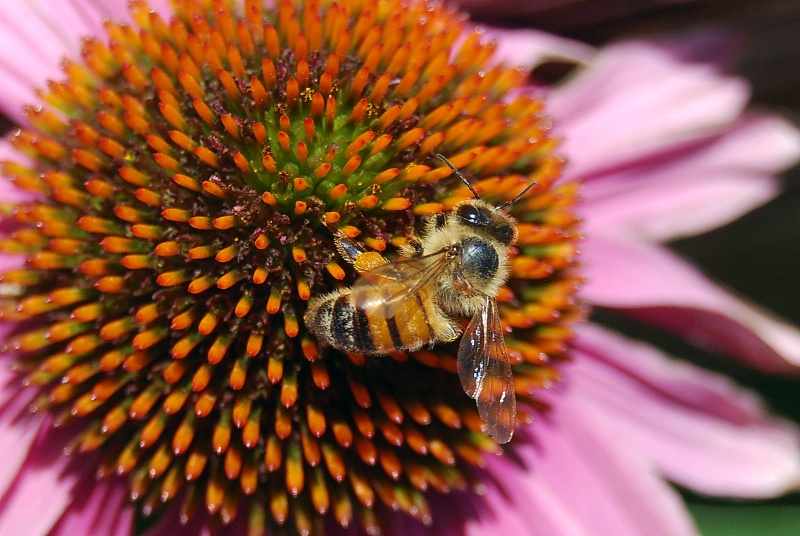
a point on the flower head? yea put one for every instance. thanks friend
(189, 176)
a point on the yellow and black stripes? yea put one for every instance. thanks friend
(369, 328)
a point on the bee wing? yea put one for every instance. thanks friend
(390, 286)
(485, 372)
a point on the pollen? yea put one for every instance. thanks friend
(190, 174)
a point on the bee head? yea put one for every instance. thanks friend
(483, 217)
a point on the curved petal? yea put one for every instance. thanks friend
(636, 99)
(697, 188)
(599, 483)
(32, 43)
(655, 285)
(678, 206)
(701, 430)
(622, 495)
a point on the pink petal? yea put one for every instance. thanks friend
(529, 48)
(701, 430)
(655, 285)
(513, 7)
(32, 44)
(36, 35)
(42, 490)
(18, 428)
(100, 508)
(604, 485)
(566, 474)
(695, 188)
(636, 98)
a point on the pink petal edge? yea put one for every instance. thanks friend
(704, 185)
(600, 112)
(19, 428)
(606, 487)
(528, 48)
(42, 490)
(102, 508)
(701, 430)
(651, 283)
(36, 35)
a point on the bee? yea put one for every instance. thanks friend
(454, 269)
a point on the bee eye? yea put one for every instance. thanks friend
(470, 214)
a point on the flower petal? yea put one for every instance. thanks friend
(32, 43)
(36, 34)
(529, 48)
(696, 188)
(101, 508)
(604, 485)
(636, 98)
(566, 474)
(701, 430)
(42, 489)
(655, 285)
(19, 427)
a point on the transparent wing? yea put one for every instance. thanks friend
(387, 288)
(485, 372)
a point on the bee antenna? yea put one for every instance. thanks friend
(516, 197)
(458, 174)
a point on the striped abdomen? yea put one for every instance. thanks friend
(358, 321)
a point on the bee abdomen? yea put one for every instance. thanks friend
(350, 327)
(369, 330)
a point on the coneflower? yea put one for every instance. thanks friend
(176, 196)
(190, 174)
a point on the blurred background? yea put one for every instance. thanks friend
(758, 255)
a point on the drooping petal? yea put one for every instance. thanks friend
(695, 188)
(655, 285)
(635, 100)
(699, 428)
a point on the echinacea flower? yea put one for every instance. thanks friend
(173, 208)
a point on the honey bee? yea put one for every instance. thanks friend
(455, 269)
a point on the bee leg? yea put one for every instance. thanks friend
(362, 261)
(412, 248)
(348, 249)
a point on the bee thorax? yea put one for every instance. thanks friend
(479, 261)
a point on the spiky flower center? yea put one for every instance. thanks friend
(189, 176)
